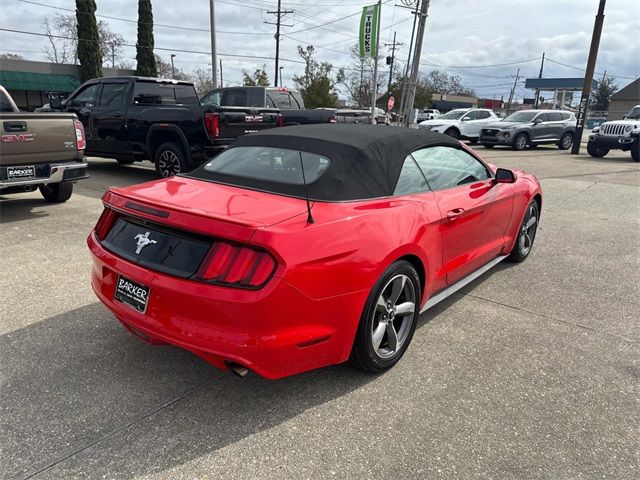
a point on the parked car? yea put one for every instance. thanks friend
(531, 128)
(620, 134)
(307, 246)
(428, 114)
(44, 151)
(139, 118)
(462, 123)
(352, 115)
(288, 102)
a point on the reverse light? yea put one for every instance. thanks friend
(212, 124)
(81, 141)
(105, 222)
(236, 265)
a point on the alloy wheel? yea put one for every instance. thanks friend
(567, 141)
(521, 142)
(393, 316)
(169, 164)
(528, 229)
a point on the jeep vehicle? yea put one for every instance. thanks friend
(620, 134)
(288, 102)
(530, 128)
(40, 150)
(462, 123)
(140, 118)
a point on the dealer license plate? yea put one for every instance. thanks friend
(132, 294)
(21, 172)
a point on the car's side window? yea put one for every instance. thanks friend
(566, 116)
(270, 102)
(543, 117)
(112, 94)
(411, 179)
(5, 104)
(472, 115)
(448, 167)
(483, 114)
(86, 96)
(554, 116)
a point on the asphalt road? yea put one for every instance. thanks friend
(531, 372)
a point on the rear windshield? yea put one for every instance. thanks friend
(266, 164)
(165, 94)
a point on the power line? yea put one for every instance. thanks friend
(584, 70)
(153, 48)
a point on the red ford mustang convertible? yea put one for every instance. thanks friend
(308, 246)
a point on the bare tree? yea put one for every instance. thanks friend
(358, 78)
(62, 38)
(202, 80)
(164, 70)
(10, 56)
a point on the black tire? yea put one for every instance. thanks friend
(526, 233)
(595, 150)
(566, 141)
(170, 160)
(488, 145)
(380, 315)
(453, 132)
(473, 140)
(635, 150)
(56, 192)
(125, 161)
(520, 142)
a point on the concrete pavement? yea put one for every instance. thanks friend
(532, 371)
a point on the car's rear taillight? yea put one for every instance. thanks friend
(236, 265)
(212, 124)
(280, 120)
(81, 141)
(105, 222)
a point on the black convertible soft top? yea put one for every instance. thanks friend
(366, 160)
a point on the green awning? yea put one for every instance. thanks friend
(39, 82)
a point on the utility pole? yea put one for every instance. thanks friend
(173, 70)
(411, 94)
(221, 82)
(513, 91)
(374, 90)
(278, 23)
(588, 78)
(535, 106)
(113, 54)
(214, 60)
(406, 68)
(280, 70)
(393, 46)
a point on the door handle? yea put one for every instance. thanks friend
(117, 115)
(454, 214)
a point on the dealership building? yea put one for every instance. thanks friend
(30, 83)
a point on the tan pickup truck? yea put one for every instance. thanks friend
(40, 150)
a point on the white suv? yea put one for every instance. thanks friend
(463, 123)
(621, 134)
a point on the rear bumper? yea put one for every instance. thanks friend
(54, 173)
(276, 331)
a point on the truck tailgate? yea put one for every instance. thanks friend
(235, 121)
(33, 138)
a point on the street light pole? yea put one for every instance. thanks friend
(588, 78)
(173, 71)
(214, 61)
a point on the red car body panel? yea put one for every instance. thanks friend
(307, 314)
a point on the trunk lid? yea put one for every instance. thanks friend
(203, 207)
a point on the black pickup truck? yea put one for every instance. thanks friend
(288, 102)
(138, 118)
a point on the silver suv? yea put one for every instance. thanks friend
(531, 128)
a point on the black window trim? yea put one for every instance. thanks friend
(426, 181)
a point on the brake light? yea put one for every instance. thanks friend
(81, 141)
(105, 222)
(212, 124)
(280, 120)
(236, 265)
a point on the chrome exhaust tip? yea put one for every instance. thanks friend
(238, 369)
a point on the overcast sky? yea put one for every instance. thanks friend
(459, 34)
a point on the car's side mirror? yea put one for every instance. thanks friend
(466, 119)
(504, 176)
(54, 102)
(537, 121)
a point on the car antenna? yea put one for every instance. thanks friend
(306, 192)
